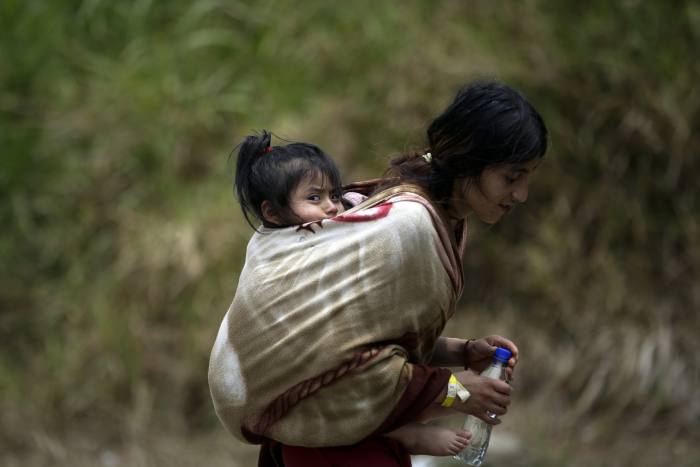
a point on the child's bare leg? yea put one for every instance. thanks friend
(430, 440)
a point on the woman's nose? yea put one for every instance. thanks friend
(520, 192)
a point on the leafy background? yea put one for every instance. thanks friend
(122, 242)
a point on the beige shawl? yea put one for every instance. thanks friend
(314, 349)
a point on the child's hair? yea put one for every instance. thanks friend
(271, 173)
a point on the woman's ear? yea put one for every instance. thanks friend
(269, 214)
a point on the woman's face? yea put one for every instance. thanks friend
(496, 191)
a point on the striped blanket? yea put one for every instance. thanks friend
(314, 349)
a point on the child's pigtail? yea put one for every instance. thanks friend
(253, 147)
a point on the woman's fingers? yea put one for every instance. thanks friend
(501, 387)
(488, 418)
(487, 396)
(496, 402)
(500, 341)
(500, 400)
(496, 408)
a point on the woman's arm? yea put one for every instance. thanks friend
(428, 386)
(449, 351)
(474, 354)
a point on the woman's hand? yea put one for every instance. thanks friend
(478, 354)
(487, 396)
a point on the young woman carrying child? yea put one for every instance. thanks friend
(331, 345)
(297, 183)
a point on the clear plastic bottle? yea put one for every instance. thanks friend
(475, 451)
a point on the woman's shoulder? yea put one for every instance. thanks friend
(397, 204)
(360, 195)
(414, 200)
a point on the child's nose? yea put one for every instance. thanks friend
(330, 207)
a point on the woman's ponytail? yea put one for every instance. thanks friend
(422, 169)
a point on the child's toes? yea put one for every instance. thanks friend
(455, 449)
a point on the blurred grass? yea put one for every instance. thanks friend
(122, 242)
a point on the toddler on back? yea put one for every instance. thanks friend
(286, 185)
(298, 183)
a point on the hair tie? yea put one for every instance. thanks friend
(428, 157)
(267, 149)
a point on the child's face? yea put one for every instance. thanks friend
(311, 200)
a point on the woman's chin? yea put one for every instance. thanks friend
(490, 218)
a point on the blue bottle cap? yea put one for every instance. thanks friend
(502, 355)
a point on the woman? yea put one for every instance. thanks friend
(481, 152)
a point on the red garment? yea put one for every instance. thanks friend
(371, 452)
(376, 450)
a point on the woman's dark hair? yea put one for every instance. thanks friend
(271, 173)
(488, 123)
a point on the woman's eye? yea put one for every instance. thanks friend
(511, 180)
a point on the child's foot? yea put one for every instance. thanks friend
(435, 440)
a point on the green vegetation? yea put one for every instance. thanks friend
(121, 240)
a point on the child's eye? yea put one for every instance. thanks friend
(335, 198)
(314, 198)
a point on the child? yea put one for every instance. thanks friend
(297, 184)
(286, 185)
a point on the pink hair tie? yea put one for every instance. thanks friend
(267, 149)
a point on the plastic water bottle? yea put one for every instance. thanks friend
(475, 452)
